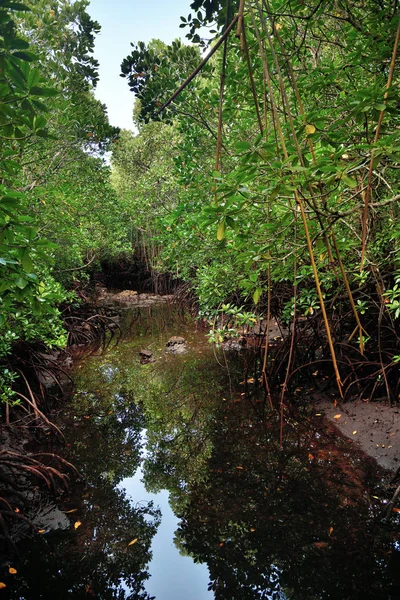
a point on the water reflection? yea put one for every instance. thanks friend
(295, 524)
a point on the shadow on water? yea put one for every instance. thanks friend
(298, 523)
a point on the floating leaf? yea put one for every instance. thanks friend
(321, 545)
(77, 524)
(133, 542)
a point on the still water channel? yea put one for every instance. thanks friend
(185, 494)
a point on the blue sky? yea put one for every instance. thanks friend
(122, 22)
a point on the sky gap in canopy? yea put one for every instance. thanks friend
(123, 22)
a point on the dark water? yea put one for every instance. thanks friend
(185, 494)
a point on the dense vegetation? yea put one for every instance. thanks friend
(269, 183)
(56, 202)
(285, 152)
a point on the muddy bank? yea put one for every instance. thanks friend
(373, 426)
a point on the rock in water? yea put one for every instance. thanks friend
(176, 345)
(146, 356)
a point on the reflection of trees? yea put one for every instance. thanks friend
(269, 524)
(179, 411)
(95, 559)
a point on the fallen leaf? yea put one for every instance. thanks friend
(251, 380)
(321, 545)
(77, 524)
(335, 403)
(41, 531)
(396, 510)
(330, 530)
(68, 512)
(239, 467)
(221, 544)
(12, 571)
(252, 529)
(16, 510)
(314, 374)
(310, 456)
(278, 26)
(392, 434)
(337, 416)
(310, 129)
(2, 585)
(133, 542)
(318, 414)
(354, 432)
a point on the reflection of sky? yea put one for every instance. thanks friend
(173, 577)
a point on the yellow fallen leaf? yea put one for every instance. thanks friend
(278, 26)
(68, 512)
(252, 529)
(77, 524)
(330, 530)
(310, 129)
(310, 456)
(239, 467)
(354, 432)
(133, 542)
(318, 414)
(12, 571)
(251, 380)
(41, 531)
(2, 585)
(337, 416)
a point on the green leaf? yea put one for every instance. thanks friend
(352, 183)
(44, 92)
(15, 6)
(242, 146)
(221, 231)
(18, 44)
(2, 320)
(28, 56)
(26, 261)
(21, 283)
(257, 295)
(33, 77)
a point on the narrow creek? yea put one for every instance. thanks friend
(186, 495)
